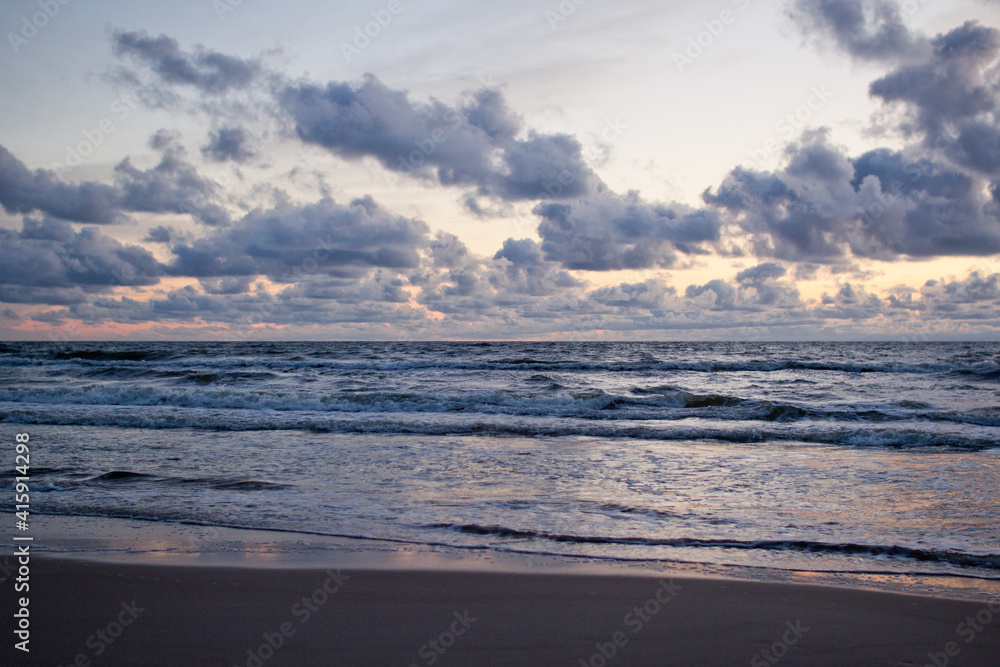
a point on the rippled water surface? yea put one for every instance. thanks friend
(855, 457)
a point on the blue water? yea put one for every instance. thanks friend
(859, 457)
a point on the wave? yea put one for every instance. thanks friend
(990, 561)
(659, 403)
(292, 357)
(118, 477)
(112, 355)
(445, 424)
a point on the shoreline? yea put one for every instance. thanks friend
(126, 592)
(136, 541)
(159, 613)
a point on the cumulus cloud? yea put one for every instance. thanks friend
(943, 84)
(950, 101)
(49, 262)
(324, 262)
(290, 240)
(172, 186)
(229, 143)
(865, 29)
(612, 232)
(475, 144)
(205, 70)
(478, 143)
(851, 302)
(26, 191)
(976, 297)
(880, 205)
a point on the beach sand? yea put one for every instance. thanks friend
(123, 613)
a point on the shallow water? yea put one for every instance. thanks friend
(860, 458)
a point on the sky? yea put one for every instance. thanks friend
(574, 169)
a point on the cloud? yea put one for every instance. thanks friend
(977, 297)
(323, 263)
(824, 206)
(942, 83)
(612, 232)
(475, 144)
(49, 262)
(172, 186)
(229, 143)
(289, 241)
(208, 71)
(26, 191)
(851, 302)
(653, 296)
(756, 289)
(865, 29)
(947, 86)
(515, 283)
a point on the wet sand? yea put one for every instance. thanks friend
(86, 612)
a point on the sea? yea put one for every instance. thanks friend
(866, 459)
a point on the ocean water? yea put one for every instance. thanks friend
(842, 457)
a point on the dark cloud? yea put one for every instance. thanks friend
(879, 206)
(479, 143)
(947, 87)
(851, 302)
(768, 290)
(613, 232)
(653, 296)
(172, 186)
(229, 285)
(475, 144)
(525, 271)
(229, 143)
(761, 273)
(756, 289)
(976, 289)
(866, 29)
(49, 262)
(515, 283)
(208, 71)
(723, 294)
(26, 191)
(166, 234)
(290, 241)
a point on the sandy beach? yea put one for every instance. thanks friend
(107, 613)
